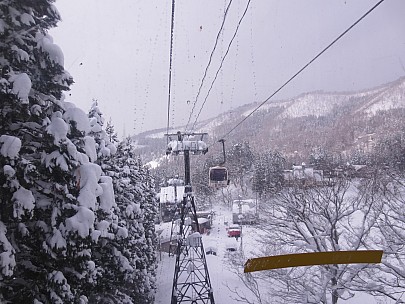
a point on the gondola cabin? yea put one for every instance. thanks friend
(218, 176)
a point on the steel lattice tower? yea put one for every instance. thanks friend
(191, 281)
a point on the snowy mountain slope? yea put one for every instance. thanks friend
(392, 97)
(332, 120)
(320, 103)
(314, 104)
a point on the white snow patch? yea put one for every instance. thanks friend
(88, 176)
(72, 150)
(132, 210)
(22, 228)
(23, 201)
(22, 55)
(58, 158)
(77, 116)
(153, 164)
(107, 200)
(103, 228)
(90, 148)
(27, 19)
(8, 171)
(2, 26)
(57, 277)
(10, 146)
(21, 86)
(57, 240)
(104, 151)
(57, 128)
(7, 259)
(82, 222)
(122, 232)
(95, 126)
(112, 148)
(45, 42)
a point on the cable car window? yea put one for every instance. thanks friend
(218, 174)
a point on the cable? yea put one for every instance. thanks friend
(252, 57)
(303, 68)
(209, 62)
(222, 62)
(170, 70)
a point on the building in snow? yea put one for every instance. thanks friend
(244, 211)
(169, 198)
(304, 175)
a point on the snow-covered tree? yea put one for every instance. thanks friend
(104, 147)
(57, 207)
(44, 209)
(320, 219)
(62, 237)
(200, 182)
(321, 159)
(268, 173)
(126, 254)
(110, 131)
(239, 162)
(387, 280)
(390, 152)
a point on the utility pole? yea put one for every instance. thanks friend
(191, 281)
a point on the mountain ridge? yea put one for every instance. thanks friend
(333, 120)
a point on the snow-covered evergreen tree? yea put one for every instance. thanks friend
(42, 147)
(134, 249)
(104, 147)
(110, 131)
(124, 253)
(63, 238)
(57, 208)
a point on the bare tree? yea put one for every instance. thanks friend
(319, 219)
(388, 278)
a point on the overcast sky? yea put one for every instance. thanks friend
(118, 53)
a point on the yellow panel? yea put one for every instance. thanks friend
(313, 258)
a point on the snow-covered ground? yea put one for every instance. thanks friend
(223, 280)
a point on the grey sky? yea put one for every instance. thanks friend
(118, 53)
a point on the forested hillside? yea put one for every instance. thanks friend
(339, 128)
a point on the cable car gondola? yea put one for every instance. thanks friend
(218, 176)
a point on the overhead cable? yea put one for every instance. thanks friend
(209, 62)
(170, 68)
(302, 69)
(222, 62)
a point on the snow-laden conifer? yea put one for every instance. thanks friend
(45, 225)
(136, 247)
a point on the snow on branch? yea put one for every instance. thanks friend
(10, 146)
(7, 259)
(23, 201)
(21, 86)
